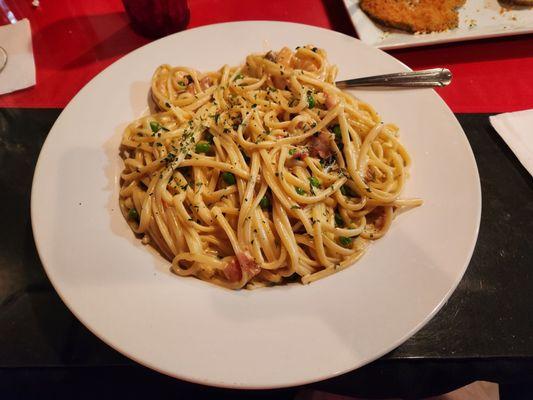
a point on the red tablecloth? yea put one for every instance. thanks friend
(74, 40)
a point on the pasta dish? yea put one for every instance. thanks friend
(261, 174)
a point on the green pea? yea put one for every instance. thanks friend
(133, 214)
(229, 178)
(202, 147)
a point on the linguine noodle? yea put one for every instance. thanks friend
(261, 174)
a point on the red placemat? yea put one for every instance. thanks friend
(73, 41)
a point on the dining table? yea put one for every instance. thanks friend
(483, 332)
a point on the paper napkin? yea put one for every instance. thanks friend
(19, 72)
(516, 129)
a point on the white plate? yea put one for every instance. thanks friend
(271, 337)
(477, 19)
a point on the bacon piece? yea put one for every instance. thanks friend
(181, 79)
(284, 57)
(305, 64)
(370, 175)
(205, 82)
(300, 155)
(377, 218)
(248, 265)
(279, 82)
(331, 100)
(271, 56)
(243, 263)
(379, 222)
(191, 89)
(232, 272)
(319, 146)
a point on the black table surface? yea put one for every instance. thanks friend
(485, 330)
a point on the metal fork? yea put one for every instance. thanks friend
(437, 77)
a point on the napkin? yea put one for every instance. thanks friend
(516, 129)
(19, 72)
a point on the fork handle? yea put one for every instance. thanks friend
(437, 77)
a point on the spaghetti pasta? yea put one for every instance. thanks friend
(261, 174)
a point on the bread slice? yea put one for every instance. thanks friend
(414, 15)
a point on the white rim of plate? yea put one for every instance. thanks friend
(215, 382)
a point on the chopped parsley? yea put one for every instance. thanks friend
(338, 220)
(264, 203)
(314, 182)
(337, 132)
(156, 127)
(292, 151)
(345, 241)
(310, 100)
(346, 191)
(300, 191)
